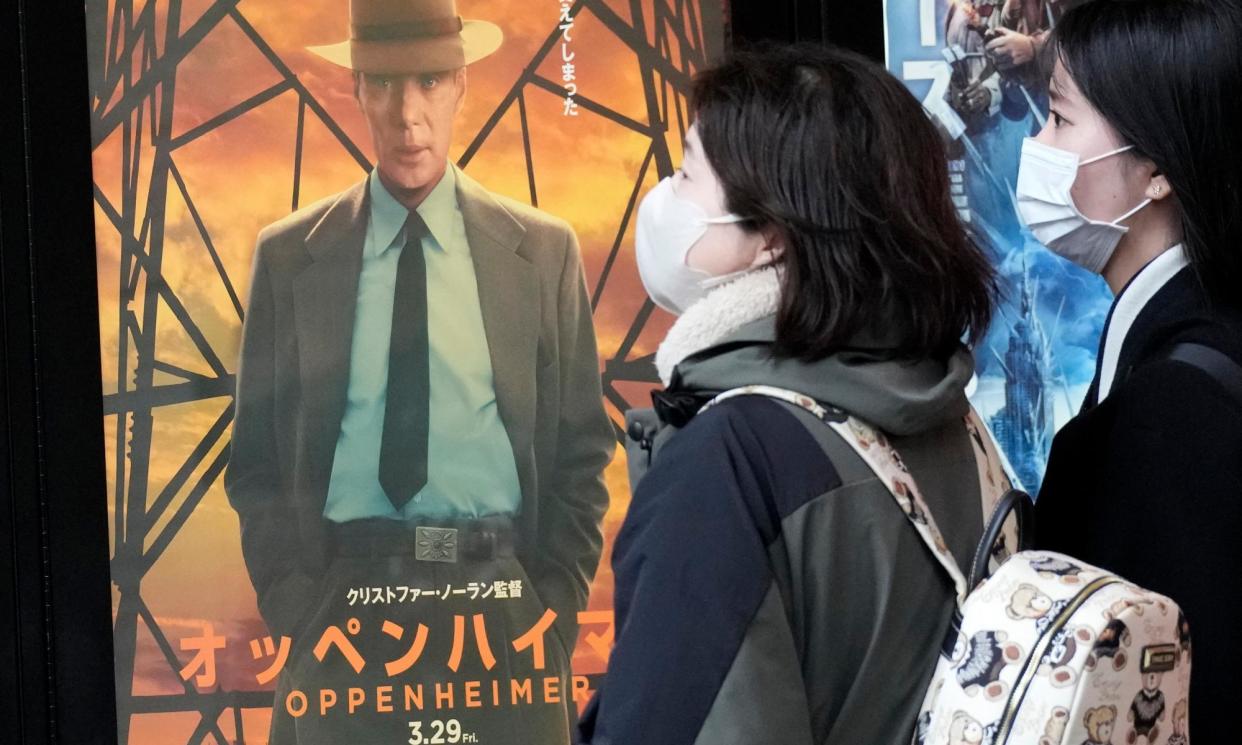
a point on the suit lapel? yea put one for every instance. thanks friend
(325, 298)
(1157, 321)
(1091, 400)
(509, 300)
(1151, 328)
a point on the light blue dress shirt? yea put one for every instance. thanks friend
(470, 467)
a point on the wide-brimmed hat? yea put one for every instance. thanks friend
(410, 36)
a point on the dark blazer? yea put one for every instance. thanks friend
(1148, 483)
(294, 373)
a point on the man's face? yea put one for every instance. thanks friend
(410, 117)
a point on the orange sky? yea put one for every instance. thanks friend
(240, 177)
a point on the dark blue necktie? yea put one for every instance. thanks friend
(403, 450)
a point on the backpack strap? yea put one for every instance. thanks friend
(1018, 504)
(996, 480)
(877, 452)
(1215, 363)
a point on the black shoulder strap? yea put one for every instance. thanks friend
(1213, 362)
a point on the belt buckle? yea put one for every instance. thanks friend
(435, 544)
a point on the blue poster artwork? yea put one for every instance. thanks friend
(975, 66)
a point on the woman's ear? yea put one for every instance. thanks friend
(771, 250)
(1158, 187)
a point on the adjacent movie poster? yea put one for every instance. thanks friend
(370, 320)
(975, 65)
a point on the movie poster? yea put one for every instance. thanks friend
(975, 66)
(370, 320)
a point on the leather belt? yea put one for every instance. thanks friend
(428, 540)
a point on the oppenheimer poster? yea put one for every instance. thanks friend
(369, 320)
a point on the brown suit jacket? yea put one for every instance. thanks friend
(294, 372)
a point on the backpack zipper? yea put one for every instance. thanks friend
(1037, 653)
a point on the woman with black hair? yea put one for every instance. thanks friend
(1138, 177)
(768, 587)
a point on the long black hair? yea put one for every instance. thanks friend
(1167, 75)
(833, 152)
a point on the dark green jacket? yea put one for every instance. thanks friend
(768, 588)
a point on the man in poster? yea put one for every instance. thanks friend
(419, 439)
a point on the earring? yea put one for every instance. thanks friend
(1158, 190)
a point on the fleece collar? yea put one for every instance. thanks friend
(722, 311)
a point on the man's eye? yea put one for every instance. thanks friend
(1057, 119)
(430, 81)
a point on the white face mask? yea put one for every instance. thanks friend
(667, 227)
(1045, 175)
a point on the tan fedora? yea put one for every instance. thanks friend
(410, 36)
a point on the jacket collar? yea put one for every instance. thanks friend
(324, 298)
(726, 339)
(1132, 300)
(333, 236)
(1181, 311)
(1177, 304)
(509, 298)
(722, 312)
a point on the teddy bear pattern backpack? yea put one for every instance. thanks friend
(1042, 649)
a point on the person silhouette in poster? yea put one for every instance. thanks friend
(420, 436)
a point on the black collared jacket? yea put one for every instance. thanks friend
(1148, 483)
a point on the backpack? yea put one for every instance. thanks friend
(1042, 649)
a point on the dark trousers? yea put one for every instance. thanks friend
(496, 695)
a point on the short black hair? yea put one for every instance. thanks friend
(830, 150)
(1167, 75)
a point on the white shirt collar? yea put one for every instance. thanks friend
(388, 215)
(1130, 303)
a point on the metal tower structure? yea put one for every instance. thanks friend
(135, 53)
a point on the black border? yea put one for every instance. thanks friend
(56, 659)
(853, 24)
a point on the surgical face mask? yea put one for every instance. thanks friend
(667, 227)
(1045, 175)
